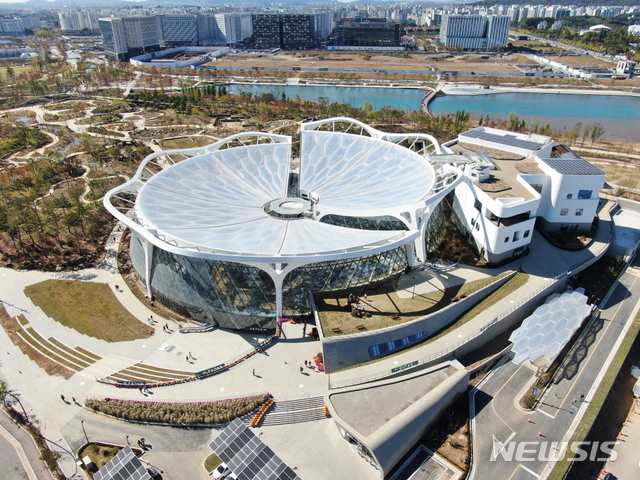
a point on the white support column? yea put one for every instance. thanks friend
(148, 260)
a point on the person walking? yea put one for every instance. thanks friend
(63, 399)
(254, 372)
(302, 370)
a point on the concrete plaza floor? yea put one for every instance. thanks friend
(315, 448)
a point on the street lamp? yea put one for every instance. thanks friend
(84, 431)
(128, 443)
(414, 287)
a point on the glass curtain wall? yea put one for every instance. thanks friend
(226, 294)
(365, 223)
(338, 275)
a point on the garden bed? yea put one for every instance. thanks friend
(197, 413)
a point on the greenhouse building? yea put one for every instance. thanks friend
(242, 232)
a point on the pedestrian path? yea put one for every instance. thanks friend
(300, 410)
(26, 448)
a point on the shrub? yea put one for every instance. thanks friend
(179, 413)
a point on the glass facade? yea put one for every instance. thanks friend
(137, 257)
(435, 229)
(365, 223)
(227, 294)
(337, 275)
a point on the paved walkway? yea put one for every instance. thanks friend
(499, 420)
(32, 467)
(277, 370)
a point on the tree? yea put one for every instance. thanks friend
(597, 130)
(586, 133)
(367, 107)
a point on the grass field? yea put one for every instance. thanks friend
(90, 308)
(186, 142)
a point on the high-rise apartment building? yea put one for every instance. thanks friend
(79, 20)
(497, 31)
(474, 32)
(227, 28)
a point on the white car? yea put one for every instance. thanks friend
(221, 471)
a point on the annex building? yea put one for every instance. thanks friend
(244, 230)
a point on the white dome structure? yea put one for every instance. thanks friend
(242, 231)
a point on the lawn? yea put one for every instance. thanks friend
(211, 462)
(186, 142)
(90, 308)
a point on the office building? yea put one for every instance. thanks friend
(289, 31)
(367, 32)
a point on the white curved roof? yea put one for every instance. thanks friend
(214, 202)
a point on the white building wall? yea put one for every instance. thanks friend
(565, 205)
(498, 30)
(12, 25)
(322, 25)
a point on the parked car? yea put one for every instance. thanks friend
(221, 471)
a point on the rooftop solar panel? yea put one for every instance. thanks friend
(572, 166)
(247, 457)
(124, 466)
(509, 139)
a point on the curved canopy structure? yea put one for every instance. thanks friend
(350, 208)
(225, 201)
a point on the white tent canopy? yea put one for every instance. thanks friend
(545, 333)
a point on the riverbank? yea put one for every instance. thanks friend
(480, 89)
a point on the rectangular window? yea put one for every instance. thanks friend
(506, 240)
(564, 227)
(579, 212)
(564, 211)
(574, 228)
(473, 222)
(478, 226)
(526, 234)
(516, 236)
(585, 193)
(477, 205)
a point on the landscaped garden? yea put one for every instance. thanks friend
(90, 308)
(196, 413)
(383, 307)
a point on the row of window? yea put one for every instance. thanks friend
(565, 211)
(581, 194)
(382, 349)
(516, 236)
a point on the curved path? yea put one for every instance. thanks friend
(20, 455)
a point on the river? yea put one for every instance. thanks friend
(619, 115)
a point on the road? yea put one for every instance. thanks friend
(426, 71)
(498, 420)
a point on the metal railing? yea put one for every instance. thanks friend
(445, 351)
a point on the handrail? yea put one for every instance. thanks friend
(202, 374)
